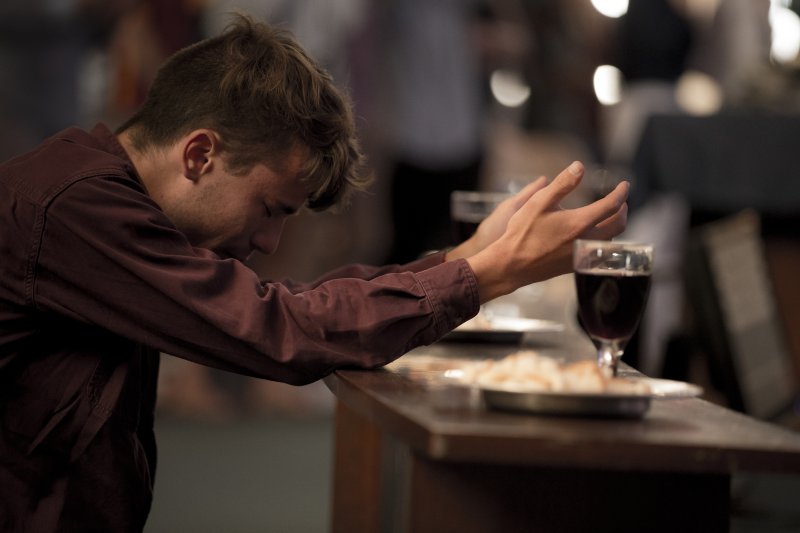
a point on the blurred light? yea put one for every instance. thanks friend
(509, 88)
(454, 373)
(698, 93)
(785, 26)
(611, 8)
(607, 84)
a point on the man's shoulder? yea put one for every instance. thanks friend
(61, 161)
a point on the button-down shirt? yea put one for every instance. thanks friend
(95, 281)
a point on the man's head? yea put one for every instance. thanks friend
(257, 88)
(255, 101)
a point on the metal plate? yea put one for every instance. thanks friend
(503, 330)
(590, 404)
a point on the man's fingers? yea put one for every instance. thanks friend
(610, 203)
(529, 190)
(544, 196)
(562, 185)
(621, 216)
(610, 212)
(610, 227)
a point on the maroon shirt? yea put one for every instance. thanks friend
(95, 281)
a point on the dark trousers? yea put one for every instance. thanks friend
(420, 203)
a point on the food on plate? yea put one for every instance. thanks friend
(527, 370)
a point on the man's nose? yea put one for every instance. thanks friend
(266, 238)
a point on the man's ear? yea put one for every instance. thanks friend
(201, 150)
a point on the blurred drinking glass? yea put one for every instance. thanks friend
(469, 208)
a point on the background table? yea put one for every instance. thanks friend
(722, 165)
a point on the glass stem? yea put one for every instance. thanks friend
(608, 355)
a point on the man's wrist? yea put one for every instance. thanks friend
(462, 251)
(492, 282)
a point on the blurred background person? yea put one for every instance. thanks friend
(735, 43)
(538, 58)
(431, 111)
(568, 39)
(148, 32)
(45, 51)
(651, 47)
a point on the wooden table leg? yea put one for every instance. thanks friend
(356, 479)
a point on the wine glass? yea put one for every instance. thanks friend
(467, 211)
(469, 208)
(612, 281)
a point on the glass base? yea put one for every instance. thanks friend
(608, 355)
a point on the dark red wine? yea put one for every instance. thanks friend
(611, 303)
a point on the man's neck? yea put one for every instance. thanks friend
(151, 165)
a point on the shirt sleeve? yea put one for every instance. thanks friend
(366, 272)
(109, 257)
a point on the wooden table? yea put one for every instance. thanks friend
(416, 454)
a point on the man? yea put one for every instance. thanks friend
(119, 246)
